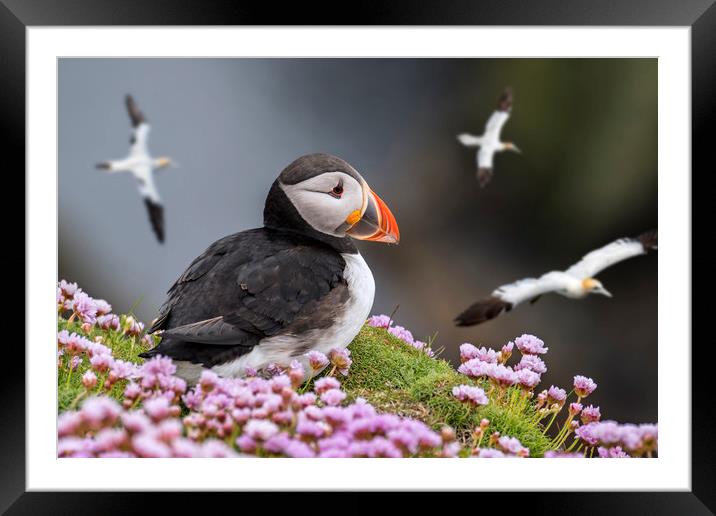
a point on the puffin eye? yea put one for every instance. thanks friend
(337, 191)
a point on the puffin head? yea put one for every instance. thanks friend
(329, 197)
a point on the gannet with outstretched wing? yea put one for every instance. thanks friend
(576, 282)
(142, 166)
(489, 142)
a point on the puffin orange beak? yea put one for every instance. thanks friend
(374, 222)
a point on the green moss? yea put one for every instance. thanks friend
(390, 374)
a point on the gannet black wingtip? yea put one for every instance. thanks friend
(482, 311)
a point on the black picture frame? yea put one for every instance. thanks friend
(17, 15)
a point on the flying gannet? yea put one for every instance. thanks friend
(576, 282)
(141, 164)
(489, 142)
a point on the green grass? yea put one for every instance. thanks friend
(70, 390)
(387, 372)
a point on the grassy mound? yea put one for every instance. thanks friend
(387, 372)
(397, 378)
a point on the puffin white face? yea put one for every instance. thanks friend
(326, 201)
(340, 205)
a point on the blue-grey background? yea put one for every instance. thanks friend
(587, 127)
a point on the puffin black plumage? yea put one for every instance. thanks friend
(270, 295)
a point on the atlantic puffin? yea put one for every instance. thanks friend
(142, 166)
(576, 282)
(272, 294)
(489, 142)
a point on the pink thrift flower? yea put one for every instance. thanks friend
(501, 375)
(260, 430)
(506, 352)
(296, 374)
(552, 454)
(528, 379)
(333, 397)
(340, 357)
(108, 322)
(556, 395)
(533, 363)
(612, 453)
(89, 380)
(583, 386)
(575, 408)
(474, 368)
(530, 345)
(146, 445)
(101, 363)
(157, 408)
(474, 395)
(246, 444)
(317, 360)
(326, 383)
(379, 321)
(68, 289)
(590, 414)
(102, 307)
(84, 307)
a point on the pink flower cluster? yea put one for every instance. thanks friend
(93, 312)
(268, 417)
(486, 362)
(503, 447)
(102, 428)
(384, 321)
(637, 440)
(613, 439)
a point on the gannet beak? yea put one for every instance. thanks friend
(516, 149)
(375, 222)
(604, 292)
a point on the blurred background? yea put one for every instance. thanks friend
(587, 175)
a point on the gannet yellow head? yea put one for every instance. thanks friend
(163, 162)
(594, 286)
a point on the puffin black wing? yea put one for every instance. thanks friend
(245, 288)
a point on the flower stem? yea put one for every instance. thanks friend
(77, 399)
(550, 422)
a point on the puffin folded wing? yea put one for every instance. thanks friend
(210, 331)
(206, 342)
(261, 286)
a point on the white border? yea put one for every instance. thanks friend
(670, 471)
